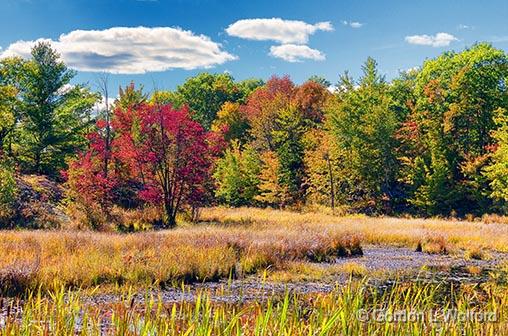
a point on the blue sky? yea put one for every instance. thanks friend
(246, 38)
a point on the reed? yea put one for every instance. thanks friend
(354, 309)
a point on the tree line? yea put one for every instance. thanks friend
(432, 141)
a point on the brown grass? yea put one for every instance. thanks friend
(230, 243)
(453, 235)
(194, 253)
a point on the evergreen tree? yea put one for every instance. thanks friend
(54, 115)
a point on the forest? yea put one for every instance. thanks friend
(431, 142)
(256, 207)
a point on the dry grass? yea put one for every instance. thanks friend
(231, 243)
(452, 235)
(304, 272)
(476, 253)
(195, 253)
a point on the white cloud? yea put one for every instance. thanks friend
(352, 24)
(465, 27)
(296, 53)
(136, 50)
(276, 29)
(438, 40)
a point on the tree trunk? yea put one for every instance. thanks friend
(37, 167)
(169, 216)
(332, 187)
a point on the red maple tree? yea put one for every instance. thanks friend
(160, 149)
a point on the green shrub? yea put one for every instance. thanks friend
(8, 192)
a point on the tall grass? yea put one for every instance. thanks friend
(453, 234)
(355, 309)
(30, 259)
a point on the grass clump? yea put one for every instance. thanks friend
(476, 253)
(436, 245)
(190, 254)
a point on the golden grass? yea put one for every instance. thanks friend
(304, 272)
(453, 234)
(230, 243)
(476, 253)
(194, 253)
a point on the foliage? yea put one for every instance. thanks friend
(8, 194)
(130, 97)
(310, 99)
(430, 141)
(363, 125)
(7, 113)
(237, 175)
(232, 119)
(497, 172)
(205, 93)
(320, 80)
(156, 148)
(90, 189)
(289, 148)
(324, 169)
(262, 109)
(271, 191)
(53, 115)
(457, 96)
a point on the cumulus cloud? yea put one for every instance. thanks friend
(352, 24)
(131, 50)
(296, 53)
(276, 29)
(438, 40)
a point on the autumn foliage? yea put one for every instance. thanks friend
(431, 141)
(158, 154)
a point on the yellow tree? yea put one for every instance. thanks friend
(234, 120)
(271, 191)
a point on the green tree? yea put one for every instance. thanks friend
(236, 175)
(289, 148)
(248, 86)
(206, 93)
(497, 172)
(167, 97)
(53, 114)
(130, 97)
(320, 80)
(363, 126)
(8, 194)
(7, 114)
(457, 95)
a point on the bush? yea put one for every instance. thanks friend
(8, 192)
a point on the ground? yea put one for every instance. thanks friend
(239, 259)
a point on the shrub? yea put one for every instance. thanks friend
(8, 192)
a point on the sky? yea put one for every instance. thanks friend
(160, 43)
